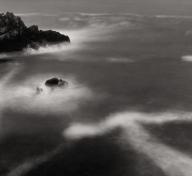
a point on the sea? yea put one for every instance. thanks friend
(126, 110)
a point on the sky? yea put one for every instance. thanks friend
(147, 7)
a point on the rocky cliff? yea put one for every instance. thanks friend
(15, 35)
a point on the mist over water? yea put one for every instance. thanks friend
(24, 97)
(129, 77)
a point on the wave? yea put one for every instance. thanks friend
(4, 56)
(79, 40)
(28, 14)
(94, 14)
(64, 19)
(109, 14)
(46, 49)
(34, 14)
(119, 60)
(173, 16)
(171, 161)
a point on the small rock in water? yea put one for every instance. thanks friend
(56, 82)
(39, 90)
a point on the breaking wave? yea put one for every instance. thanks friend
(46, 49)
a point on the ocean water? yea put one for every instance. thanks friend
(126, 110)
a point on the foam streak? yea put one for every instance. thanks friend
(172, 162)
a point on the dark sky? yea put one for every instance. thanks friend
(171, 7)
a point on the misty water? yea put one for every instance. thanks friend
(126, 110)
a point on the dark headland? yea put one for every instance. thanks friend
(16, 36)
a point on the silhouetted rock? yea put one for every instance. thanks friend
(55, 82)
(15, 35)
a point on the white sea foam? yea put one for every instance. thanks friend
(34, 14)
(79, 40)
(97, 29)
(119, 60)
(94, 14)
(187, 58)
(173, 16)
(2, 56)
(64, 19)
(28, 14)
(46, 49)
(171, 161)
(23, 96)
(110, 14)
(10, 55)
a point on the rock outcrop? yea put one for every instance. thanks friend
(55, 82)
(15, 35)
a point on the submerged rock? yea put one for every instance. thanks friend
(56, 82)
(15, 35)
(39, 90)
